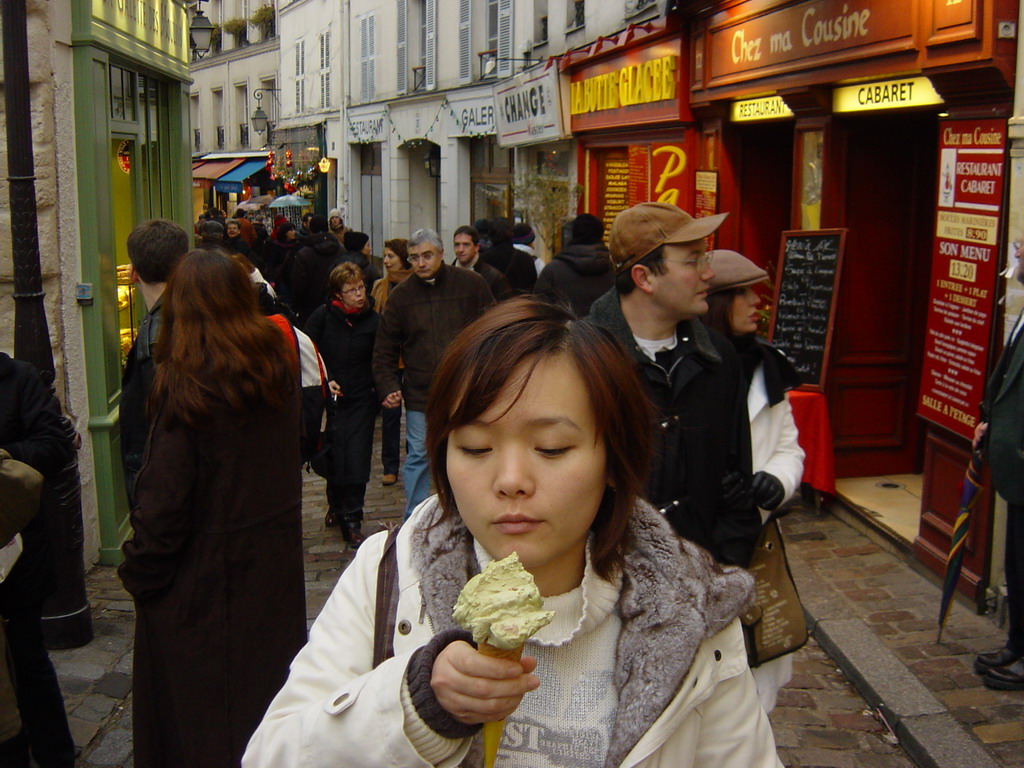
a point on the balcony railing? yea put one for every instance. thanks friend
(243, 134)
(220, 137)
(419, 78)
(197, 140)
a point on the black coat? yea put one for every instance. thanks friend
(136, 382)
(513, 263)
(346, 345)
(701, 434)
(313, 264)
(33, 431)
(579, 275)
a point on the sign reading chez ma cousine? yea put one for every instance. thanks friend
(797, 36)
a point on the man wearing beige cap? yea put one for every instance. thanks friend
(701, 474)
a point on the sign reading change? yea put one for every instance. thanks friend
(810, 263)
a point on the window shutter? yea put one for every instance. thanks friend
(298, 58)
(372, 38)
(302, 57)
(431, 73)
(465, 41)
(364, 55)
(401, 45)
(505, 64)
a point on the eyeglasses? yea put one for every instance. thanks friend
(700, 263)
(416, 258)
(354, 291)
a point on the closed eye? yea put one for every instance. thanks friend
(552, 452)
(474, 451)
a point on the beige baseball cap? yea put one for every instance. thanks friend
(639, 230)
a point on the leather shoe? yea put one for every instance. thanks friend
(1001, 658)
(389, 480)
(330, 519)
(353, 534)
(1008, 678)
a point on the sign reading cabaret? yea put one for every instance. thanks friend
(638, 86)
(972, 158)
(528, 108)
(160, 24)
(795, 36)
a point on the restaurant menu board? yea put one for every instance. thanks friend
(623, 175)
(972, 155)
(810, 263)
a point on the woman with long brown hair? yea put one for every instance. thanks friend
(396, 269)
(215, 562)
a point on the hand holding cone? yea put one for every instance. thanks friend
(502, 607)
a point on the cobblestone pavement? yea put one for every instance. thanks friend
(821, 719)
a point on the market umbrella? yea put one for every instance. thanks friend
(955, 561)
(255, 203)
(290, 201)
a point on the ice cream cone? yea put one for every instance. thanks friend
(493, 731)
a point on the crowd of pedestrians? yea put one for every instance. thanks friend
(584, 413)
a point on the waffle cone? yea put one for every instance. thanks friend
(512, 654)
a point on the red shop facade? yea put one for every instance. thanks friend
(630, 116)
(888, 120)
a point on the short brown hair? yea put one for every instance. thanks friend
(400, 247)
(476, 368)
(342, 275)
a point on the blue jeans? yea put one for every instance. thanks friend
(416, 470)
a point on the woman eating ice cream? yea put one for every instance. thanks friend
(538, 433)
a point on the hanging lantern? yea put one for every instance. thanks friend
(324, 165)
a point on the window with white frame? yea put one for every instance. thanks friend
(325, 69)
(300, 76)
(576, 16)
(368, 57)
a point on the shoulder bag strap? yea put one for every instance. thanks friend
(387, 601)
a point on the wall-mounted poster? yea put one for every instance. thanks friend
(972, 159)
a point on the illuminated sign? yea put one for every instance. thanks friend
(886, 94)
(767, 108)
(159, 24)
(653, 80)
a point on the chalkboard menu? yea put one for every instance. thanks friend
(810, 263)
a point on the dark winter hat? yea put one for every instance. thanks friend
(587, 229)
(639, 230)
(317, 224)
(354, 241)
(522, 234)
(733, 270)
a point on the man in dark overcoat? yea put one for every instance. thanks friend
(701, 474)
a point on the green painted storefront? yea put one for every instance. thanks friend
(131, 83)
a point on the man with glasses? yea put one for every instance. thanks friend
(423, 314)
(701, 474)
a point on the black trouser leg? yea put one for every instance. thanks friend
(351, 507)
(390, 437)
(1015, 576)
(38, 692)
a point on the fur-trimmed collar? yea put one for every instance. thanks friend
(674, 596)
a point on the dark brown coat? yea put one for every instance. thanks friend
(215, 567)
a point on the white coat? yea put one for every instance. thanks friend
(774, 449)
(334, 710)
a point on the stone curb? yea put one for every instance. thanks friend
(931, 737)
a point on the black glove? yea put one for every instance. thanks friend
(767, 489)
(736, 490)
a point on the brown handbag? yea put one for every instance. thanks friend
(775, 625)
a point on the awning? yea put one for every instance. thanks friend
(232, 180)
(214, 170)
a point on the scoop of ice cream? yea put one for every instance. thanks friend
(501, 606)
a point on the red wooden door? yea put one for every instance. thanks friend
(887, 200)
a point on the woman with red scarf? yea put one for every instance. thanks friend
(344, 330)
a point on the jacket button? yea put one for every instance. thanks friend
(405, 627)
(718, 655)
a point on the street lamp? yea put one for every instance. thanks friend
(260, 122)
(201, 32)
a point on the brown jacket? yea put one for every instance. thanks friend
(216, 569)
(417, 324)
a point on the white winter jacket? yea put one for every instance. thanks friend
(773, 438)
(686, 696)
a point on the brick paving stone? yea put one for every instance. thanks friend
(1001, 732)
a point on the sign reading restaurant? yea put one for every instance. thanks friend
(528, 108)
